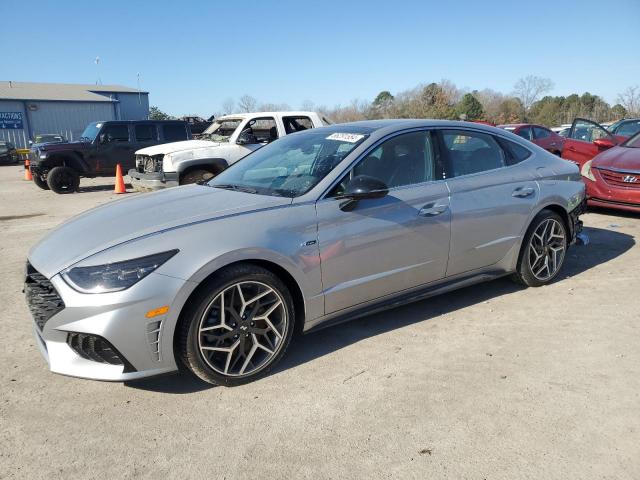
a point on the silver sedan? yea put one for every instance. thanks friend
(313, 229)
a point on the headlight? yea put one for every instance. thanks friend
(586, 171)
(114, 277)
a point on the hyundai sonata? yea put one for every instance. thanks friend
(313, 229)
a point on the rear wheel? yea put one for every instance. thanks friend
(237, 326)
(41, 181)
(543, 250)
(194, 176)
(63, 180)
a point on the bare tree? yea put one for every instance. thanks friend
(307, 105)
(529, 89)
(630, 100)
(247, 103)
(228, 106)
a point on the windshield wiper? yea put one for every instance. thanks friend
(239, 188)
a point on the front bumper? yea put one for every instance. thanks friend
(602, 194)
(75, 338)
(152, 181)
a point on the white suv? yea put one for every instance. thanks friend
(226, 141)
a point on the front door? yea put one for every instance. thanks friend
(579, 147)
(114, 146)
(386, 245)
(491, 199)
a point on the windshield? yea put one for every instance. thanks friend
(221, 130)
(48, 138)
(90, 132)
(291, 166)
(633, 142)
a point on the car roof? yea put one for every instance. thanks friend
(384, 127)
(265, 114)
(140, 121)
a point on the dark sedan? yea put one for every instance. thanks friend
(8, 153)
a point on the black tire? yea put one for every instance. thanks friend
(63, 180)
(40, 182)
(524, 273)
(194, 176)
(188, 328)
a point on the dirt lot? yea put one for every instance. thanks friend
(490, 382)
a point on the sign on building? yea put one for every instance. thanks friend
(11, 120)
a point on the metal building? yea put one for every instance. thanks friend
(28, 109)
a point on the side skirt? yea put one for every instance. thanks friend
(404, 298)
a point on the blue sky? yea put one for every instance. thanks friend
(193, 55)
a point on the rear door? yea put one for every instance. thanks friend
(144, 135)
(492, 196)
(543, 137)
(524, 132)
(579, 147)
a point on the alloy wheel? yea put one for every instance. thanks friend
(547, 249)
(242, 329)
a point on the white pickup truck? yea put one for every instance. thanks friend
(226, 141)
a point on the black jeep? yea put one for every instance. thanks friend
(103, 145)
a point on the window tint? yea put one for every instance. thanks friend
(146, 132)
(115, 133)
(540, 133)
(515, 153)
(587, 131)
(174, 131)
(472, 152)
(524, 132)
(403, 160)
(628, 129)
(296, 124)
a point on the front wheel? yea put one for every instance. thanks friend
(63, 180)
(40, 181)
(237, 326)
(543, 250)
(195, 176)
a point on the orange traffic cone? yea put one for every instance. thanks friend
(27, 171)
(119, 181)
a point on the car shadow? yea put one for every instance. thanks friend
(604, 245)
(100, 188)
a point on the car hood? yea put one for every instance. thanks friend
(128, 219)
(621, 158)
(59, 146)
(173, 147)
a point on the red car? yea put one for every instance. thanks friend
(537, 134)
(587, 139)
(613, 177)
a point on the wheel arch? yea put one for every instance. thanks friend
(67, 159)
(213, 165)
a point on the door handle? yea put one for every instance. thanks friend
(572, 148)
(432, 209)
(523, 192)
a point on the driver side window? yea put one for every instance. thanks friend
(587, 131)
(114, 133)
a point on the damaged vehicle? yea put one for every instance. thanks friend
(226, 141)
(316, 228)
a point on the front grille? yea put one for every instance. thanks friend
(149, 164)
(42, 298)
(617, 179)
(98, 349)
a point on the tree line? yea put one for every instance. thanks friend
(527, 102)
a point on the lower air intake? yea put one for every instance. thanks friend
(97, 349)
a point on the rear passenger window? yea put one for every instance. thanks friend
(540, 133)
(472, 152)
(515, 153)
(146, 132)
(174, 132)
(524, 133)
(296, 124)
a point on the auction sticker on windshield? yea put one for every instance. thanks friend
(346, 137)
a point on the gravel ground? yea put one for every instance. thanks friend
(489, 382)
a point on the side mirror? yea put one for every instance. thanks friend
(360, 188)
(604, 143)
(30, 142)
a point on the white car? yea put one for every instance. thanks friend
(226, 141)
